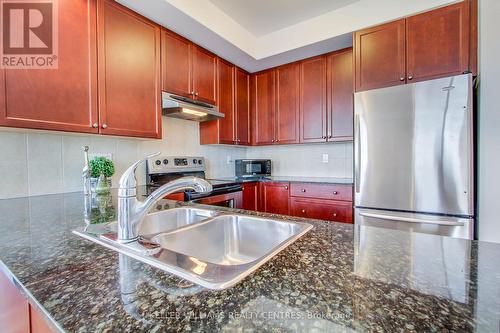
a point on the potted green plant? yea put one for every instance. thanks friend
(101, 169)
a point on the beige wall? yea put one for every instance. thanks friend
(489, 122)
(38, 162)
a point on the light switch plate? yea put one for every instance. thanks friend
(325, 158)
(109, 156)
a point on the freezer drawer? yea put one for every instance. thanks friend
(423, 223)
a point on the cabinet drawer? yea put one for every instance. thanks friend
(322, 191)
(330, 210)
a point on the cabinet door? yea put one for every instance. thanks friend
(204, 75)
(313, 100)
(176, 64)
(438, 43)
(329, 210)
(275, 198)
(340, 96)
(65, 98)
(263, 104)
(225, 84)
(242, 104)
(380, 56)
(250, 196)
(287, 104)
(14, 311)
(129, 100)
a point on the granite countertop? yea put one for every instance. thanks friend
(335, 278)
(291, 179)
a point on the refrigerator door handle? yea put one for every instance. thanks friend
(409, 219)
(358, 154)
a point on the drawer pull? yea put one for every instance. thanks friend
(286, 187)
(303, 210)
(334, 214)
(335, 192)
(304, 190)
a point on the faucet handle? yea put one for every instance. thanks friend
(128, 182)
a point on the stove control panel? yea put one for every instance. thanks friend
(171, 164)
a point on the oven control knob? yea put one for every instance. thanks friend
(157, 162)
(165, 161)
(200, 162)
(195, 161)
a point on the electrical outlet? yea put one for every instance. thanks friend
(325, 158)
(229, 159)
(109, 156)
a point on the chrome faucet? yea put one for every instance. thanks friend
(132, 211)
(86, 172)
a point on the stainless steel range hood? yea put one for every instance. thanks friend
(185, 108)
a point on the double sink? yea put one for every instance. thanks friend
(210, 248)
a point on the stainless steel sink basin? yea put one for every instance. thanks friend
(213, 249)
(171, 219)
(229, 239)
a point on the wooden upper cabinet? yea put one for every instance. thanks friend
(129, 72)
(242, 105)
(263, 107)
(313, 100)
(204, 73)
(274, 197)
(176, 64)
(340, 95)
(380, 56)
(225, 81)
(287, 103)
(438, 43)
(65, 98)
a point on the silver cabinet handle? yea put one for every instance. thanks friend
(95, 125)
(410, 77)
(104, 126)
(334, 214)
(401, 78)
(411, 219)
(286, 187)
(196, 93)
(303, 210)
(357, 139)
(335, 192)
(193, 93)
(304, 190)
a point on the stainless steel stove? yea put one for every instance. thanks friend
(162, 169)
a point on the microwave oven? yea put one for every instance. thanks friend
(252, 168)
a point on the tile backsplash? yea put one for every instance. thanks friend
(37, 162)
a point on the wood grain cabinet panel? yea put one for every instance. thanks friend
(340, 96)
(313, 108)
(176, 64)
(287, 104)
(263, 107)
(14, 312)
(129, 101)
(274, 197)
(225, 83)
(250, 193)
(322, 191)
(38, 322)
(242, 105)
(438, 43)
(337, 211)
(380, 56)
(65, 98)
(204, 75)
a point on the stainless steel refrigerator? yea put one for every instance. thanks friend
(413, 156)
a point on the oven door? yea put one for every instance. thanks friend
(230, 200)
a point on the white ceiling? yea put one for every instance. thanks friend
(261, 17)
(258, 34)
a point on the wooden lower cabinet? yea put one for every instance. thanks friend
(178, 196)
(250, 196)
(16, 314)
(330, 210)
(274, 197)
